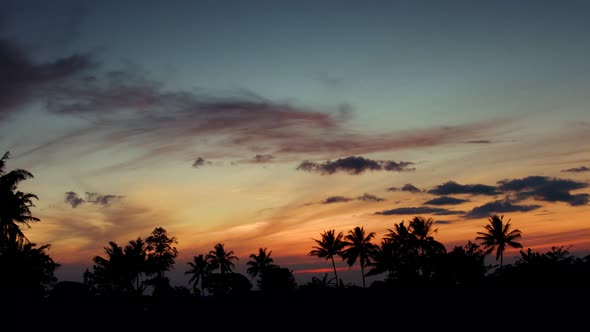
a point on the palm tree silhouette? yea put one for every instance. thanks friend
(499, 236)
(330, 245)
(200, 269)
(14, 205)
(358, 246)
(258, 263)
(221, 259)
(136, 258)
(423, 231)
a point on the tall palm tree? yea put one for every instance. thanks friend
(14, 205)
(221, 259)
(200, 269)
(423, 232)
(136, 258)
(499, 236)
(331, 244)
(358, 246)
(258, 263)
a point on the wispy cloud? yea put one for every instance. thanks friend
(75, 200)
(200, 161)
(24, 80)
(452, 187)
(406, 187)
(354, 165)
(126, 107)
(336, 199)
(577, 169)
(366, 197)
(369, 197)
(499, 206)
(446, 200)
(419, 210)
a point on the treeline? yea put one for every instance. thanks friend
(408, 258)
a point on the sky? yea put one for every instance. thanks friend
(261, 124)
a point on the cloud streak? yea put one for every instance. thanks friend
(354, 165)
(75, 200)
(577, 169)
(125, 107)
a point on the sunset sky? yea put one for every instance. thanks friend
(264, 123)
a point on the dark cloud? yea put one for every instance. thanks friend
(24, 80)
(499, 206)
(262, 158)
(577, 169)
(483, 141)
(96, 198)
(336, 199)
(419, 210)
(446, 200)
(126, 107)
(369, 197)
(410, 188)
(393, 189)
(341, 199)
(451, 187)
(545, 189)
(74, 199)
(201, 162)
(353, 165)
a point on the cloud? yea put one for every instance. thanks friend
(499, 206)
(577, 169)
(353, 165)
(451, 187)
(263, 158)
(126, 107)
(545, 189)
(446, 200)
(419, 210)
(24, 80)
(336, 199)
(410, 188)
(201, 162)
(483, 141)
(75, 200)
(369, 197)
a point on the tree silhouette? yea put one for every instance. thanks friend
(136, 260)
(499, 236)
(422, 232)
(200, 269)
(258, 264)
(221, 259)
(330, 245)
(14, 205)
(358, 246)
(161, 251)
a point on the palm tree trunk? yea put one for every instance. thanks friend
(363, 275)
(335, 274)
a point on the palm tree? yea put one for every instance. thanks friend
(499, 236)
(136, 258)
(221, 259)
(259, 263)
(330, 245)
(14, 205)
(423, 231)
(358, 246)
(200, 269)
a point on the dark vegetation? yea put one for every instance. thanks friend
(420, 277)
